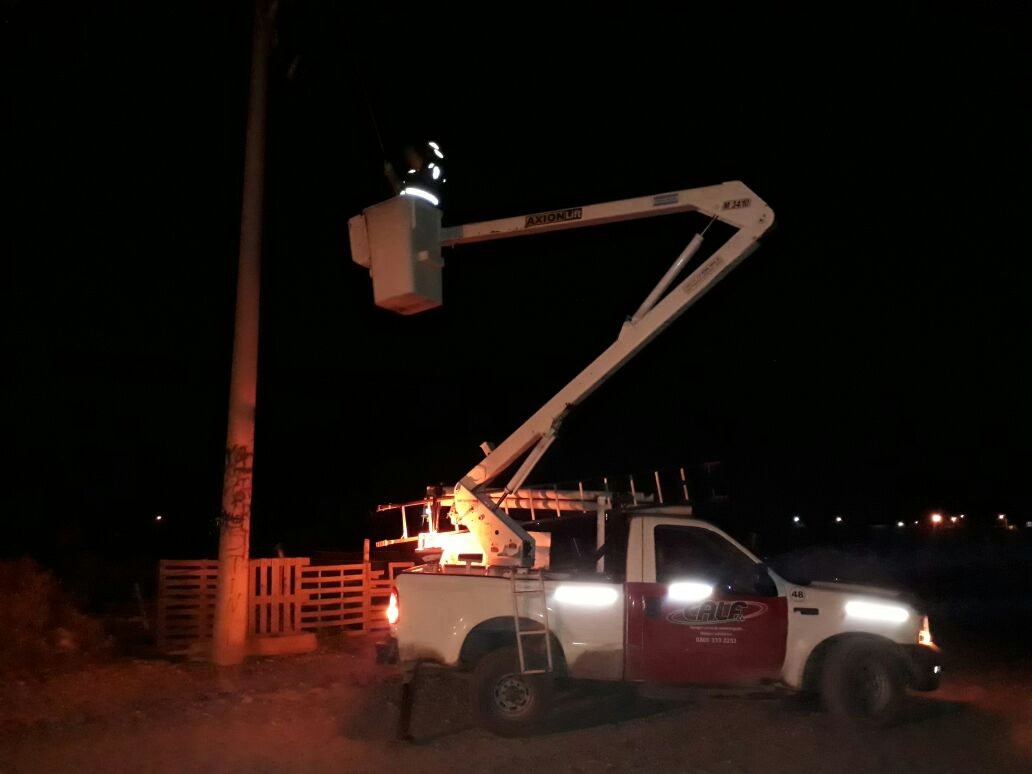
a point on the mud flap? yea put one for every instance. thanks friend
(408, 697)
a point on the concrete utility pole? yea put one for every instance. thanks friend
(230, 632)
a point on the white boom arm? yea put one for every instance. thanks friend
(400, 241)
(502, 538)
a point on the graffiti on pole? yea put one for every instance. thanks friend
(236, 486)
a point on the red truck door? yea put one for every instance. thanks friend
(676, 633)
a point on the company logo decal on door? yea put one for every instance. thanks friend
(709, 613)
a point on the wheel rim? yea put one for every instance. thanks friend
(873, 686)
(511, 694)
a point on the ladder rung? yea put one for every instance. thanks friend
(524, 584)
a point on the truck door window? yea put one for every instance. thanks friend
(694, 553)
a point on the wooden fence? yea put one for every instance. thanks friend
(284, 596)
(274, 597)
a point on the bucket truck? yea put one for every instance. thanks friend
(678, 601)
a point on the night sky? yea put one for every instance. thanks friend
(870, 359)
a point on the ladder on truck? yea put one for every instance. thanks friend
(530, 585)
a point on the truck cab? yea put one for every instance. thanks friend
(700, 607)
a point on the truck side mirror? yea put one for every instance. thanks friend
(765, 586)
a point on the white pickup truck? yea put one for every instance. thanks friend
(679, 602)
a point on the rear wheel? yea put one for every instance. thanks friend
(509, 703)
(863, 682)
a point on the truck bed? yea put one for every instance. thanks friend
(446, 610)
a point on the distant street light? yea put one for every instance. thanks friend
(795, 519)
(838, 519)
(900, 523)
(953, 519)
(936, 518)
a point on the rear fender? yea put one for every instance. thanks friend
(500, 632)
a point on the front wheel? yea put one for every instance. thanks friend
(864, 682)
(509, 703)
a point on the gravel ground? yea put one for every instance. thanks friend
(335, 710)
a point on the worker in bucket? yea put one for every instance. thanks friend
(424, 177)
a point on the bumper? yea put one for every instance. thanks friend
(925, 665)
(387, 651)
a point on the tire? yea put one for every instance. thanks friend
(506, 702)
(864, 682)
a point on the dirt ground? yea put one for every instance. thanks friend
(335, 710)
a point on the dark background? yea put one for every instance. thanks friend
(869, 360)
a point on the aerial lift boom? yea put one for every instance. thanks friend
(503, 540)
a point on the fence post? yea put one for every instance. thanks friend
(160, 624)
(367, 587)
